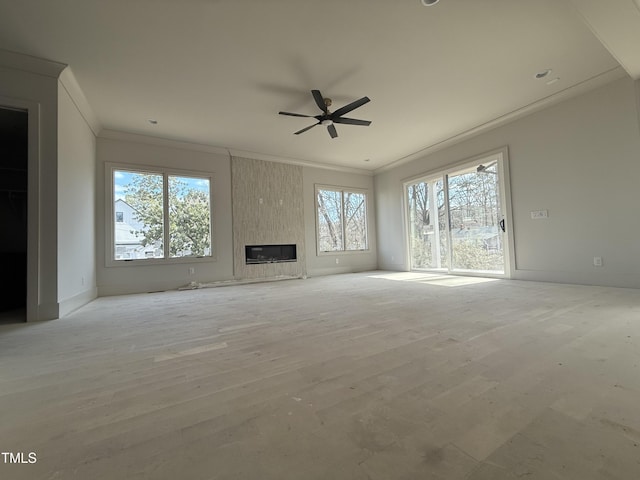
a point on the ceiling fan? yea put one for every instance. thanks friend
(328, 118)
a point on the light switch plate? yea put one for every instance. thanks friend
(538, 214)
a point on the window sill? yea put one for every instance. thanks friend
(158, 261)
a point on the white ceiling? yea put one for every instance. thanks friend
(217, 72)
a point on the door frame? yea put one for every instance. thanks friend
(33, 200)
(501, 155)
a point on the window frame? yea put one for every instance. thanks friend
(110, 247)
(342, 190)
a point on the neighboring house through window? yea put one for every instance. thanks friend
(160, 214)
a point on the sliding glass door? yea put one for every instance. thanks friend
(428, 237)
(456, 219)
(476, 219)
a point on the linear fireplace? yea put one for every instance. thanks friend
(256, 254)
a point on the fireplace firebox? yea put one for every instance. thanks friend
(257, 254)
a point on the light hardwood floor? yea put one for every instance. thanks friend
(358, 376)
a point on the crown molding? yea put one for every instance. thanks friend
(108, 134)
(295, 161)
(29, 63)
(569, 92)
(70, 84)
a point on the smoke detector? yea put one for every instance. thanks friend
(428, 3)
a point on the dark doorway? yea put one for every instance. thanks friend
(13, 214)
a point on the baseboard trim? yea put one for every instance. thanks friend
(595, 278)
(71, 304)
(45, 311)
(321, 272)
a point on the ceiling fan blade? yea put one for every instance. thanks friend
(294, 114)
(351, 106)
(317, 96)
(332, 130)
(352, 121)
(306, 128)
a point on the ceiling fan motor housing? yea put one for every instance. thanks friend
(327, 118)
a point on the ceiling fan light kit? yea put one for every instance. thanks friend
(328, 118)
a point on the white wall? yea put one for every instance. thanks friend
(580, 160)
(31, 84)
(139, 150)
(637, 83)
(348, 262)
(76, 206)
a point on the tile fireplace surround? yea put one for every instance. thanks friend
(267, 211)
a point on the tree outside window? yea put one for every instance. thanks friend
(140, 232)
(342, 220)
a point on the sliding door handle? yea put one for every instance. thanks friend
(501, 223)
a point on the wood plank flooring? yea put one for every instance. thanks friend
(359, 376)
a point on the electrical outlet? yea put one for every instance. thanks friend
(192, 271)
(337, 261)
(597, 261)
